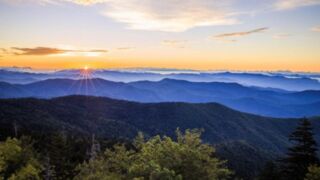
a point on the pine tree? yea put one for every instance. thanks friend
(59, 153)
(302, 154)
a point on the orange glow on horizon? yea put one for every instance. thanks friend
(179, 60)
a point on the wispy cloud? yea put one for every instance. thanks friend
(45, 51)
(39, 51)
(292, 4)
(125, 48)
(86, 2)
(225, 36)
(175, 43)
(3, 50)
(165, 15)
(316, 29)
(175, 15)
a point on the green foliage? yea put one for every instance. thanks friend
(158, 158)
(313, 173)
(18, 161)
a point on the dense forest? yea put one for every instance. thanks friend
(80, 137)
(60, 156)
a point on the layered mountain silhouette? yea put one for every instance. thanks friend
(257, 100)
(279, 80)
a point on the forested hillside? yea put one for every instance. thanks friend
(234, 133)
(115, 118)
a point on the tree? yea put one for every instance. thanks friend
(64, 153)
(302, 154)
(158, 158)
(18, 160)
(59, 152)
(313, 173)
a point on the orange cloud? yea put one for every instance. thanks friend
(43, 51)
(39, 51)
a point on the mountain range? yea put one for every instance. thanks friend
(262, 101)
(290, 81)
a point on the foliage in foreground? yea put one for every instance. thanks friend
(61, 156)
(18, 160)
(158, 158)
(313, 173)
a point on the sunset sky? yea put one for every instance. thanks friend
(188, 34)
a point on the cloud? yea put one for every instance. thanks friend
(175, 43)
(168, 15)
(44, 51)
(3, 50)
(224, 36)
(316, 29)
(293, 4)
(281, 36)
(162, 15)
(125, 48)
(37, 51)
(57, 2)
(86, 2)
(165, 15)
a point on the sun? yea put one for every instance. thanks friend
(85, 72)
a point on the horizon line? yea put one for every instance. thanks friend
(32, 69)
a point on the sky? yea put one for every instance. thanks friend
(248, 35)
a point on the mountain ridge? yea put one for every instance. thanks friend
(259, 101)
(290, 81)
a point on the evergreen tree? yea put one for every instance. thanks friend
(302, 154)
(59, 153)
